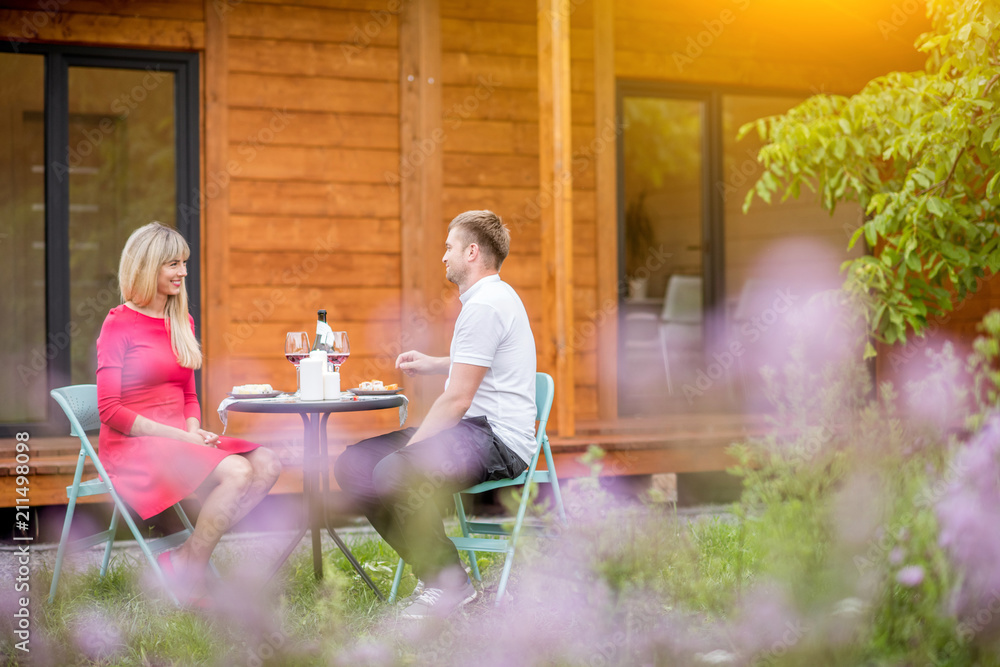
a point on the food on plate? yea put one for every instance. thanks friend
(377, 385)
(253, 389)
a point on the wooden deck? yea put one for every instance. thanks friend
(678, 443)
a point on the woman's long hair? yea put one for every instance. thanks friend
(147, 249)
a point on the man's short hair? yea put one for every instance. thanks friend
(485, 229)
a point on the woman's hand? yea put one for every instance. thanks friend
(200, 436)
(208, 438)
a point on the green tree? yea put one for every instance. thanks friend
(919, 152)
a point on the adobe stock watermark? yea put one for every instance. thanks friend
(361, 36)
(739, 175)
(901, 13)
(752, 330)
(121, 106)
(967, 630)
(793, 634)
(698, 43)
(459, 112)
(34, 22)
(886, 536)
(580, 161)
(247, 151)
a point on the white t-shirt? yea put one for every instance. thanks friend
(493, 331)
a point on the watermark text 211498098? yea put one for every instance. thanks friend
(22, 584)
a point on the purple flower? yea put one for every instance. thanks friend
(968, 510)
(910, 576)
(896, 556)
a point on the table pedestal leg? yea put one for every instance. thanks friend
(311, 487)
(333, 534)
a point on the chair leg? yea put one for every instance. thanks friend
(554, 481)
(463, 522)
(70, 509)
(396, 580)
(111, 540)
(502, 588)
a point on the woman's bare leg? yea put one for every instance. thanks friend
(221, 493)
(266, 468)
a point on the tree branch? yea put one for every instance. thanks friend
(944, 183)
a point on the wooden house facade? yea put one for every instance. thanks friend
(322, 146)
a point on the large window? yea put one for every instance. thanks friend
(94, 143)
(701, 279)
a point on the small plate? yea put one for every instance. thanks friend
(266, 394)
(374, 392)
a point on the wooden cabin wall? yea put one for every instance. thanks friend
(313, 132)
(491, 155)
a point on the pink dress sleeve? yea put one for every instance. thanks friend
(111, 347)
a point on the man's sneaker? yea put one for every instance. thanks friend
(412, 597)
(440, 602)
(419, 588)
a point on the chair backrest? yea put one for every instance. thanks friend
(683, 301)
(545, 389)
(756, 296)
(79, 402)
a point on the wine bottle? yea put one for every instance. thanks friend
(324, 334)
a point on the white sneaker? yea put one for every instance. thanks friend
(440, 602)
(412, 597)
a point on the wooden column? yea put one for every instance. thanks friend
(607, 205)
(556, 204)
(422, 229)
(216, 378)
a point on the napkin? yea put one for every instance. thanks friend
(229, 400)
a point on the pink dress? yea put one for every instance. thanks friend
(138, 374)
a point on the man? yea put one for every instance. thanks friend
(481, 428)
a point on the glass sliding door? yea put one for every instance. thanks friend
(703, 285)
(662, 328)
(23, 379)
(96, 143)
(122, 174)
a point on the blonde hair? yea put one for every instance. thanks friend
(487, 230)
(147, 249)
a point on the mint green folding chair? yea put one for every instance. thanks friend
(79, 402)
(502, 540)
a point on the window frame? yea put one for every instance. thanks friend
(59, 59)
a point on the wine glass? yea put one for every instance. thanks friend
(296, 349)
(340, 349)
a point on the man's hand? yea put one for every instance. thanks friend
(417, 363)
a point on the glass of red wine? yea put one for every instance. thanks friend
(296, 349)
(340, 349)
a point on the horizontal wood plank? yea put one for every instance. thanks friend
(270, 233)
(313, 24)
(103, 29)
(491, 100)
(343, 304)
(368, 339)
(273, 56)
(301, 93)
(344, 130)
(320, 164)
(514, 11)
(189, 10)
(331, 267)
(290, 199)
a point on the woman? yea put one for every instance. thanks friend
(151, 441)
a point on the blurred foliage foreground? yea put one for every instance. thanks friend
(867, 534)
